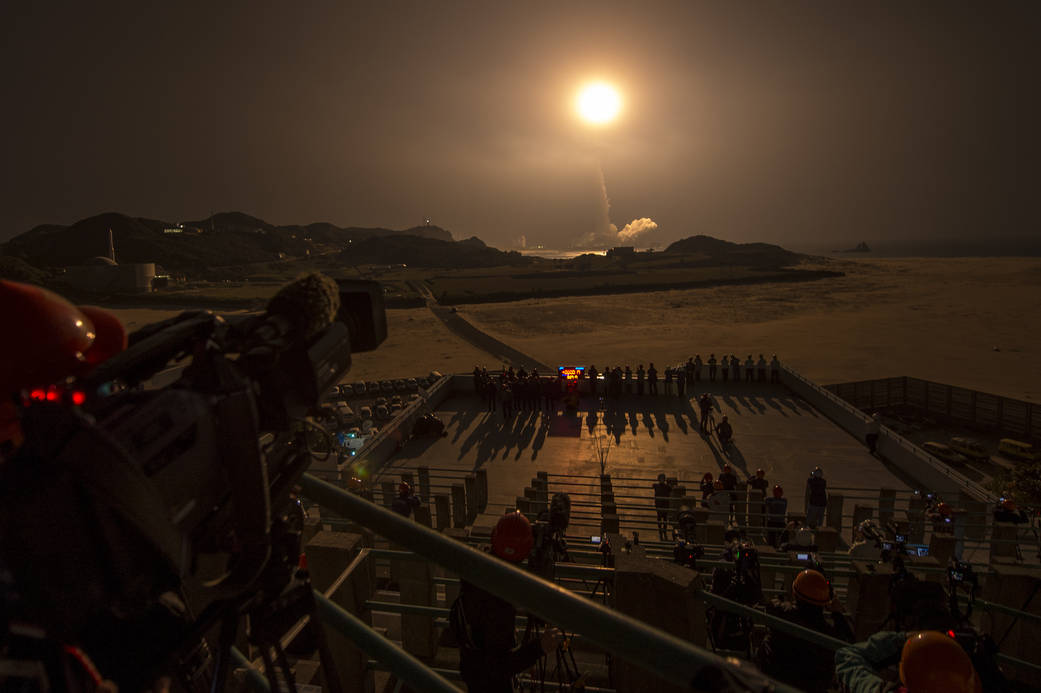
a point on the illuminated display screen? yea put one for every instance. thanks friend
(571, 372)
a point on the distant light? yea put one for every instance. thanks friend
(598, 103)
(38, 395)
(78, 398)
(52, 395)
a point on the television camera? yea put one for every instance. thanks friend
(114, 509)
(743, 584)
(686, 551)
(550, 545)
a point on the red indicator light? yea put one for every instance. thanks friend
(52, 395)
(950, 633)
(78, 398)
(38, 395)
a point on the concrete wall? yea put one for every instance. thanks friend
(931, 474)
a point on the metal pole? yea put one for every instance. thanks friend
(656, 651)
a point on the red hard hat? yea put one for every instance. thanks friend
(726, 468)
(760, 473)
(707, 477)
(812, 587)
(46, 336)
(404, 489)
(932, 662)
(110, 336)
(1009, 504)
(778, 491)
(512, 538)
(943, 509)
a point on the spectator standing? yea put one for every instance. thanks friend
(724, 368)
(593, 384)
(706, 486)
(668, 381)
(729, 481)
(478, 381)
(735, 367)
(628, 380)
(775, 370)
(712, 368)
(491, 394)
(688, 371)
(662, 493)
(749, 370)
(776, 512)
(759, 483)
(705, 404)
(816, 498)
(681, 383)
(652, 380)
(506, 401)
(639, 379)
(697, 368)
(761, 367)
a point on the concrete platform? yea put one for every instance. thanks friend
(642, 436)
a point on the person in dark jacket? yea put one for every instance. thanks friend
(652, 380)
(662, 493)
(816, 498)
(792, 660)
(776, 514)
(485, 625)
(706, 486)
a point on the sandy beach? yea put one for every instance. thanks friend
(934, 318)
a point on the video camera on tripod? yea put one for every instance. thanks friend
(550, 545)
(686, 551)
(108, 506)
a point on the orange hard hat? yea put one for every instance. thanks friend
(778, 491)
(110, 336)
(943, 509)
(932, 662)
(812, 587)
(718, 485)
(52, 336)
(512, 538)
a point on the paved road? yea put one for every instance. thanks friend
(461, 327)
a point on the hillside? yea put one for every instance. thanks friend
(713, 251)
(428, 252)
(219, 240)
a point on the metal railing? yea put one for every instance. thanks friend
(665, 655)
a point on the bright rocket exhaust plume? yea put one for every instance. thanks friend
(604, 233)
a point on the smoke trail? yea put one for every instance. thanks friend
(604, 233)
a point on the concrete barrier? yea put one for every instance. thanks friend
(929, 472)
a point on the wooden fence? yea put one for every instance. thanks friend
(1016, 418)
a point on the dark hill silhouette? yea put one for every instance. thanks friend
(219, 240)
(714, 251)
(428, 252)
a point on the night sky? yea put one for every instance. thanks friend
(775, 121)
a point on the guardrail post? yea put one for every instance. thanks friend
(350, 592)
(470, 495)
(1004, 537)
(482, 489)
(886, 504)
(329, 553)
(676, 503)
(458, 506)
(658, 592)
(390, 491)
(741, 503)
(834, 511)
(424, 484)
(417, 587)
(442, 512)
(422, 515)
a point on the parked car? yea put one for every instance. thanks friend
(372, 388)
(359, 388)
(395, 408)
(382, 412)
(971, 448)
(347, 416)
(944, 453)
(413, 385)
(387, 386)
(380, 401)
(400, 386)
(1018, 450)
(346, 391)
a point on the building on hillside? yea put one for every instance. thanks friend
(103, 274)
(622, 251)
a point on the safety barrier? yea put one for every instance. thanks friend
(667, 656)
(925, 468)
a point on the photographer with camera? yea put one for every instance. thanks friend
(662, 494)
(485, 625)
(743, 584)
(927, 661)
(867, 544)
(797, 662)
(686, 551)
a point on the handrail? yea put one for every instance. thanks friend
(653, 650)
(405, 666)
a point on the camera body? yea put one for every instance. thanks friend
(140, 483)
